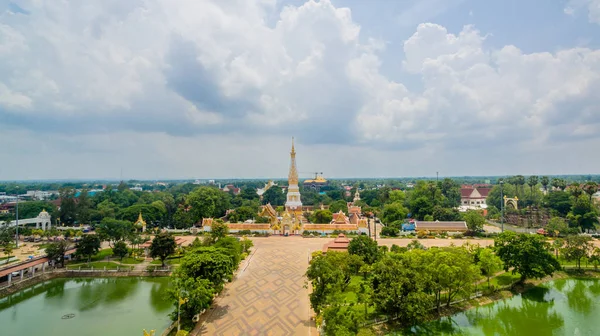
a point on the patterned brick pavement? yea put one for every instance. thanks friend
(268, 295)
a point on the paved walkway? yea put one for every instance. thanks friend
(268, 295)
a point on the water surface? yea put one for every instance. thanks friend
(560, 307)
(104, 306)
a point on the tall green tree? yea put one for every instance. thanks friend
(321, 217)
(88, 246)
(114, 230)
(120, 250)
(475, 220)
(210, 263)
(401, 287)
(274, 195)
(489, 263)
(545, 181)
(196, 295)
(68, 208)
(365, 247)
(526, 254)
(83, 208)
(393, 212)
(163, 245)
(56, 251)
(577, 247)
(207, 202)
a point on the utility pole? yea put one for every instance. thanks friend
(502, 204)
(17, 218)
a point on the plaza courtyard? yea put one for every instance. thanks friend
(268, 296)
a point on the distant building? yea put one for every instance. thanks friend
(440, 226)
(138, 187)
(231, 188)
(474, 196)
(315, 183)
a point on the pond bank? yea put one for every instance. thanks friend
(64, 273)
(490, 298)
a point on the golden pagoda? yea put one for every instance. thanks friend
(141, 223)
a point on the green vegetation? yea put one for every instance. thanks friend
(410, 285)
(162, 246)
(204, 269)
(97, 265)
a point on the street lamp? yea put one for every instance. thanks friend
(502, 204)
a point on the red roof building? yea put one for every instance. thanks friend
(474, 195)
(339, 244)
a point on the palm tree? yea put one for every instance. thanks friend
(590, 188)
(575, 190)
(532, 181)
(545, 182)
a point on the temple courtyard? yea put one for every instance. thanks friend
(268, 295)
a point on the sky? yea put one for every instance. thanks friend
(178, 89)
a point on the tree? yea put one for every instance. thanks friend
(577, 247)
(218, 230)
(196, 295)
(114, 230)
(338, 205)
(527, 254)
(475, 220)
(365, 247)
(583, 214)
(274, 195)
(83, 207)
(393, 212)
(210, 263)
(545, 181)
(559, 183)
(557, 226)
(68, 208)
(489, 263)
(452, 271)
(533, 181)
(321, 217)
(559, 201)
(56, 251)
(207, 202)
(590, 189)
(8, 249)
(88, 246)
(120, 249)
(400, 287)
(242, 214)
(330, 274)
(163, 245)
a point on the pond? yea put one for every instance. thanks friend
(560, 307)
(87, 307)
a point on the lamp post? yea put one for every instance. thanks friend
(502, 204)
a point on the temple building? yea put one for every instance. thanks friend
(315, 183)
(293, 203)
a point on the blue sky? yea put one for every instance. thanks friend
(201, 89)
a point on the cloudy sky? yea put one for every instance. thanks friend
(160, 89)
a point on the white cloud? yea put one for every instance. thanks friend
(200, 69)
(593, 7)
(474, 95)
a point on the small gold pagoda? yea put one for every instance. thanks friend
(141, 223)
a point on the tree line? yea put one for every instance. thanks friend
(410, 284)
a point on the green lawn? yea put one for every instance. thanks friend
(96, 265)
(504, 279)
(169, 261)
(131, 261)
(102, 254)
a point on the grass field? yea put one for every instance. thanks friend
(97, 265)
(131, 261)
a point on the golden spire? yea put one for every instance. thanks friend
(293, 176)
